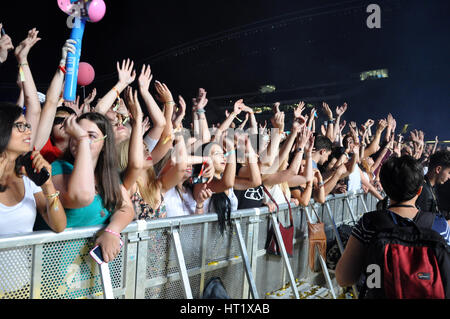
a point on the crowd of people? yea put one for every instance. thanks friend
(113, 160)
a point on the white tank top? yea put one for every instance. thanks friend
(354, 181)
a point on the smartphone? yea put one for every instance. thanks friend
(3, 31)
(96, 253)
(38, 178)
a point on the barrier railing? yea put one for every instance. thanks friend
(169, 258)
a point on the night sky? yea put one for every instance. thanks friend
(309, 50)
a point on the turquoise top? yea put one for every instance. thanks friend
(94, 214)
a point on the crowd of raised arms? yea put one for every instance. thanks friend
(132, 155)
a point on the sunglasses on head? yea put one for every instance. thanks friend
(59, 120)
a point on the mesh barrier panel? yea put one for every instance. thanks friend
(63, 269)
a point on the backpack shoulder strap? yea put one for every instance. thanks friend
(381, 219)
(425, 219)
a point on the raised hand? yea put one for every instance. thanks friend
(73, 128)
(127, 74)
(145, 78)
(74, 105)
(327, 110)
(238, 106)
(278, 121)
(182, 106)
(22, 50)
(382, 124)
(69, 46)
(369, 123)
(276, 107)
(132, 101)
(201, 101)
(341, 110)
(86, 107)
(299, 109)
(164, 94)
(145, 125)
(5, 46)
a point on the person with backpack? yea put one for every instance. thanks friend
(401, 251)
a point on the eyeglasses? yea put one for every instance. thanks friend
(22, 127)
(59, 120)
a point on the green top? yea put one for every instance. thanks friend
(94, 214)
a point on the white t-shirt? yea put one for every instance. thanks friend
(20, 218)
(176, 206)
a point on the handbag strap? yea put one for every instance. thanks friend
(315, 213)
(276, 204)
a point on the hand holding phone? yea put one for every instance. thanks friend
(39, 178)
(96, 253)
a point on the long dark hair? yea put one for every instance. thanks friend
(220, 201)
(9, 113)
(106, 171)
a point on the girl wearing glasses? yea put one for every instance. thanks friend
(20, 198)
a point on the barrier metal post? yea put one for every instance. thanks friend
(106, 281)
(204, 252)
(284, 255)
(182, 264)
(248, 270)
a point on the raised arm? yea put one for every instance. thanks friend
(31, 98)
(201, 129)
(372, 148)
(52, 98)
(127, 75)
(166, 140)
(226, 124)
(136, 145)
(155, 113)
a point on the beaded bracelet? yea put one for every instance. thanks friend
(112, 232)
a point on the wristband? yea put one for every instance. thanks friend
(230, 153)
(62, 68)
(112, 232)
(170, 103)
(300, 149)
(196, 206)
(53, 201)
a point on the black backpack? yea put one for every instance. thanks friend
(215, 289)
(406, 261)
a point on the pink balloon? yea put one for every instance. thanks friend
(96, 10)
(64, 5)
(86, 74)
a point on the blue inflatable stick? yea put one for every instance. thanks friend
(73, 60)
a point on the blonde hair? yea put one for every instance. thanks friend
(148, 190)
(285, 185)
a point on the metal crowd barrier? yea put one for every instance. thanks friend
(169, 258)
